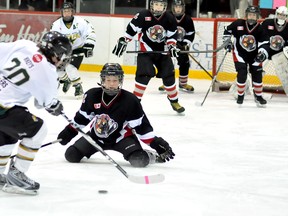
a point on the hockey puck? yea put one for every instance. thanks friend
(102, 191)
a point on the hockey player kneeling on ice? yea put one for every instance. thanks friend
(118, 123)
(27, 69)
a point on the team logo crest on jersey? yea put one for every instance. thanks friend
(104, 125)
(248, 42)
(37, 58)
(276, 42)
(156, 33)
(180, 33)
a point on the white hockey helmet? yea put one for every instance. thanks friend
(281, 15)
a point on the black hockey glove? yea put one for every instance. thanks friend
(56, 108)
(173, 50)
(120, 47)
(163, 149)
(88, 50)
(229, 46)
(260, 57)
(67, 134)
(183, 47)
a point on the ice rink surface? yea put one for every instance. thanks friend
(230, 161)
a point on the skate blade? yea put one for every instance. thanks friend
(17, 190)
(185, 90)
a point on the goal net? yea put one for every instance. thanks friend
(227, 73)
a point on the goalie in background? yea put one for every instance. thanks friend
(36, 66)
(83, 38)
(273, 39)
(118, 122)
(246, 33)
(185, 38)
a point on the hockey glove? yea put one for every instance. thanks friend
(120, 47)
(260, 57)
(173, 50)
(56, 108)
(229, 45)
(88, 50)
(183, 47)
(67, 134)
(162, 148)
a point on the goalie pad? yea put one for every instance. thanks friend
(280, 62)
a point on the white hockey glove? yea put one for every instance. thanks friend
(173, 50)
(56, 108)
(120, 47)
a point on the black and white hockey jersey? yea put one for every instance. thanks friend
(111, 122)
(185, 29)
(154, 32)
(246, 39)
(274, 37)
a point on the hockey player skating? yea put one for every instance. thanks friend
(185, 37)
(27, 70)
(156, 28)
(274, 38)
(83, 38)
(118, 122)
(246, 33)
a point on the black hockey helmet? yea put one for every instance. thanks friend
(55, 44)
(112, 69)
(255, 10)
(178, 3)
(156, 12)
(65, 6)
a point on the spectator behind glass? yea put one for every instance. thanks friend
(33, 5)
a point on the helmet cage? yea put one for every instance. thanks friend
(67, 5)
(281, 15)
(178, 3)
(156, 12)
(112, 69)
(254, 10)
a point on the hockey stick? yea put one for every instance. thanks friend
(188, 51)
(197, 62)
(213, 81)
(151, 179)
(44, 145)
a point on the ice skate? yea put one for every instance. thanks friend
(177, 107)
(153, 157)
(161, 88)
(19, 183)
(260, 101)
(66, 85)
(78, 90)
(186, 87)
(2, 180)
(240, 99)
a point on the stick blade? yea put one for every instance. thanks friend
(151, 179)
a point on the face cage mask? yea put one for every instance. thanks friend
(112, 92)
(65, 61)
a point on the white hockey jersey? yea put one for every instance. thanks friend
(80, 32)
(26, 73)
